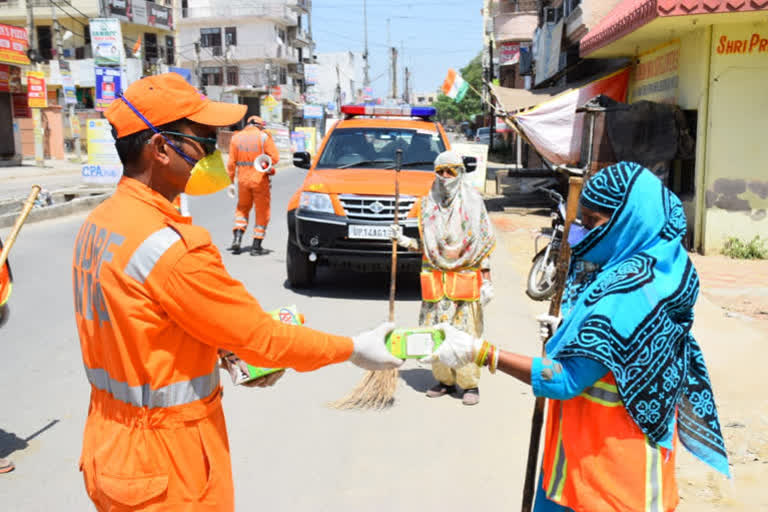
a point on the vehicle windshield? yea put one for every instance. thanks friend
(375, 148)
(483, 131)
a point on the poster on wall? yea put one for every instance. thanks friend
(106, 41)
(37, 93)
(509, 53)
(103, 165)
(271, 110)
(107, 87)
(313, 111)
(282, 137)
(548, 43)
(10, 79)
(479, 151)
(310, 138)
(655, 77)
(298, 142)
(68, 84)
(13, 44)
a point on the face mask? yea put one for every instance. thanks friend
(208, 176)
(576, 234)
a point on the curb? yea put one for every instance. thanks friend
(56, 210)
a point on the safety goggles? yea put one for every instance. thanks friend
(208, 144)
(448, 170)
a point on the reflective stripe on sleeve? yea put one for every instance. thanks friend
(145, 257)
(178, 393)
(603, 393)
(653, 477)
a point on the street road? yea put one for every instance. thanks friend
(290, 450)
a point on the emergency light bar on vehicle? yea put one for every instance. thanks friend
(378, 110)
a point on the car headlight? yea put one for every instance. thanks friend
(316, 202)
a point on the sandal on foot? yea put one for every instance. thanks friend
(440, 389)
(471, 396)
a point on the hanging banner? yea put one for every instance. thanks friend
(106, 41)
(37, 92)
(554, 127)
(10, 79)
(107, 87)
(548, 43)
(103, 165)
(509, 53)
(68, 84)
(656, 75)
(313, 111)
(13, 44)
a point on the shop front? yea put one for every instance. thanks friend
(711, 59)
(13, 53)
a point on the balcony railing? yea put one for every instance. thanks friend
(227, 10)
(302, 5)
(299, 37)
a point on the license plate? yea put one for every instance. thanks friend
(369, 232)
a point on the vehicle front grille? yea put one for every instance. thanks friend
(376, 209)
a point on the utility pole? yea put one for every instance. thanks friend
(64, 66)
(492, 131)
(37, 122)
(406, 88)
(366, 67)
(226, 68)
(338, 92)
(198, 71)
(394, 72)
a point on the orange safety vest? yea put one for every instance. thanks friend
(244, 147)
(454, 284)
(597, 459)
(153, 303)
(6, 281)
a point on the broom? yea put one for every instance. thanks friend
(28, 204)
(377, 388)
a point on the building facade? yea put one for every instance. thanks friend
(243, 53)
(336, 78)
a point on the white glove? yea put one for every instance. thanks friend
(458, 349)
(486, 292)
(396, 234)
(231, 191)
(370, 352)
(548, 324)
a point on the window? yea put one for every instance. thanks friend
(170, 54)
(151, 51)
(212, 76)
(45, 42)
(184, 8)
(376, 147)
(230, 36)
(232, 75)
(280, 34)
(211, 38)
(283, 75)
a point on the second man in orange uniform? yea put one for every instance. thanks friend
(253, 185)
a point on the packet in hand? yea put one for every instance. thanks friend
(239, 370)
(414, 343)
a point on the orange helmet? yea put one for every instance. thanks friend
(256, 120)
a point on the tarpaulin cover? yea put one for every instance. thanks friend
(555, 129)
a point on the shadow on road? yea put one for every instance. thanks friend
(340, 284)
(10, 442)
(420, 379)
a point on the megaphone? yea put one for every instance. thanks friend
(263, 163)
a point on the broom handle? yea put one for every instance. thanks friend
(28, 204)
(393, 276)
(529, 488)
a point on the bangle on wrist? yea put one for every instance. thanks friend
(494, 360)
(482, 354)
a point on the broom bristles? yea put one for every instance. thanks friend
(376, 390)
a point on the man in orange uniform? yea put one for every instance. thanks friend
(253, 185)
(153, 303)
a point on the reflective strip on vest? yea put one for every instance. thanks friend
(145, 257)
(653, 478)
(560, 467)
(603, 393)
(179, 393)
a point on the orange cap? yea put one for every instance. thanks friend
(166, 98)
(256, 120)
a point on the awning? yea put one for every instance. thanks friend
(512, 100)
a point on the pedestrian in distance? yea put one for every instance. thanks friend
(254, 181)
(5, 293)
(456, 242)
(154, 303)
(623, 375)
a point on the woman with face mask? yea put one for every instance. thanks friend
(456, 241)
(624, 376)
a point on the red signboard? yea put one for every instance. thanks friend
(509, 53)
(277, 93)
(10, 78)
(13, 44)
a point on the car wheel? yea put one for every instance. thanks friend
(301, 271)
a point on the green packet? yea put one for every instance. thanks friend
(239, 370)
(414, 343)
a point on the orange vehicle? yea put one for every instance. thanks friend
(342, 212)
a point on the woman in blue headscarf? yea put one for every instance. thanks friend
(624, 376)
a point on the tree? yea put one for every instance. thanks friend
(471, 104)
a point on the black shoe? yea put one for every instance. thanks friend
(237, 238)
(440, 389)
(256, 249)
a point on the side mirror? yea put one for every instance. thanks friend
(302, 159)
(470, 163)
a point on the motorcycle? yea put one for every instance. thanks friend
(541, 278)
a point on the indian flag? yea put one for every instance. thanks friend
(454, 86)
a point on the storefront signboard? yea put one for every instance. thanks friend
(509, 53)
(37, 93)
(106, 41)
(13, 44)
(655, 77)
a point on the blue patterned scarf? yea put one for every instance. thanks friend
(634, 314)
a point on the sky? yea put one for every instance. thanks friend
(435, 35)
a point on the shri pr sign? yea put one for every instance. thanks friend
(656, 75)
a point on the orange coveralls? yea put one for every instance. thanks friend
(153, 303)
(253, 187)
(5, 280)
